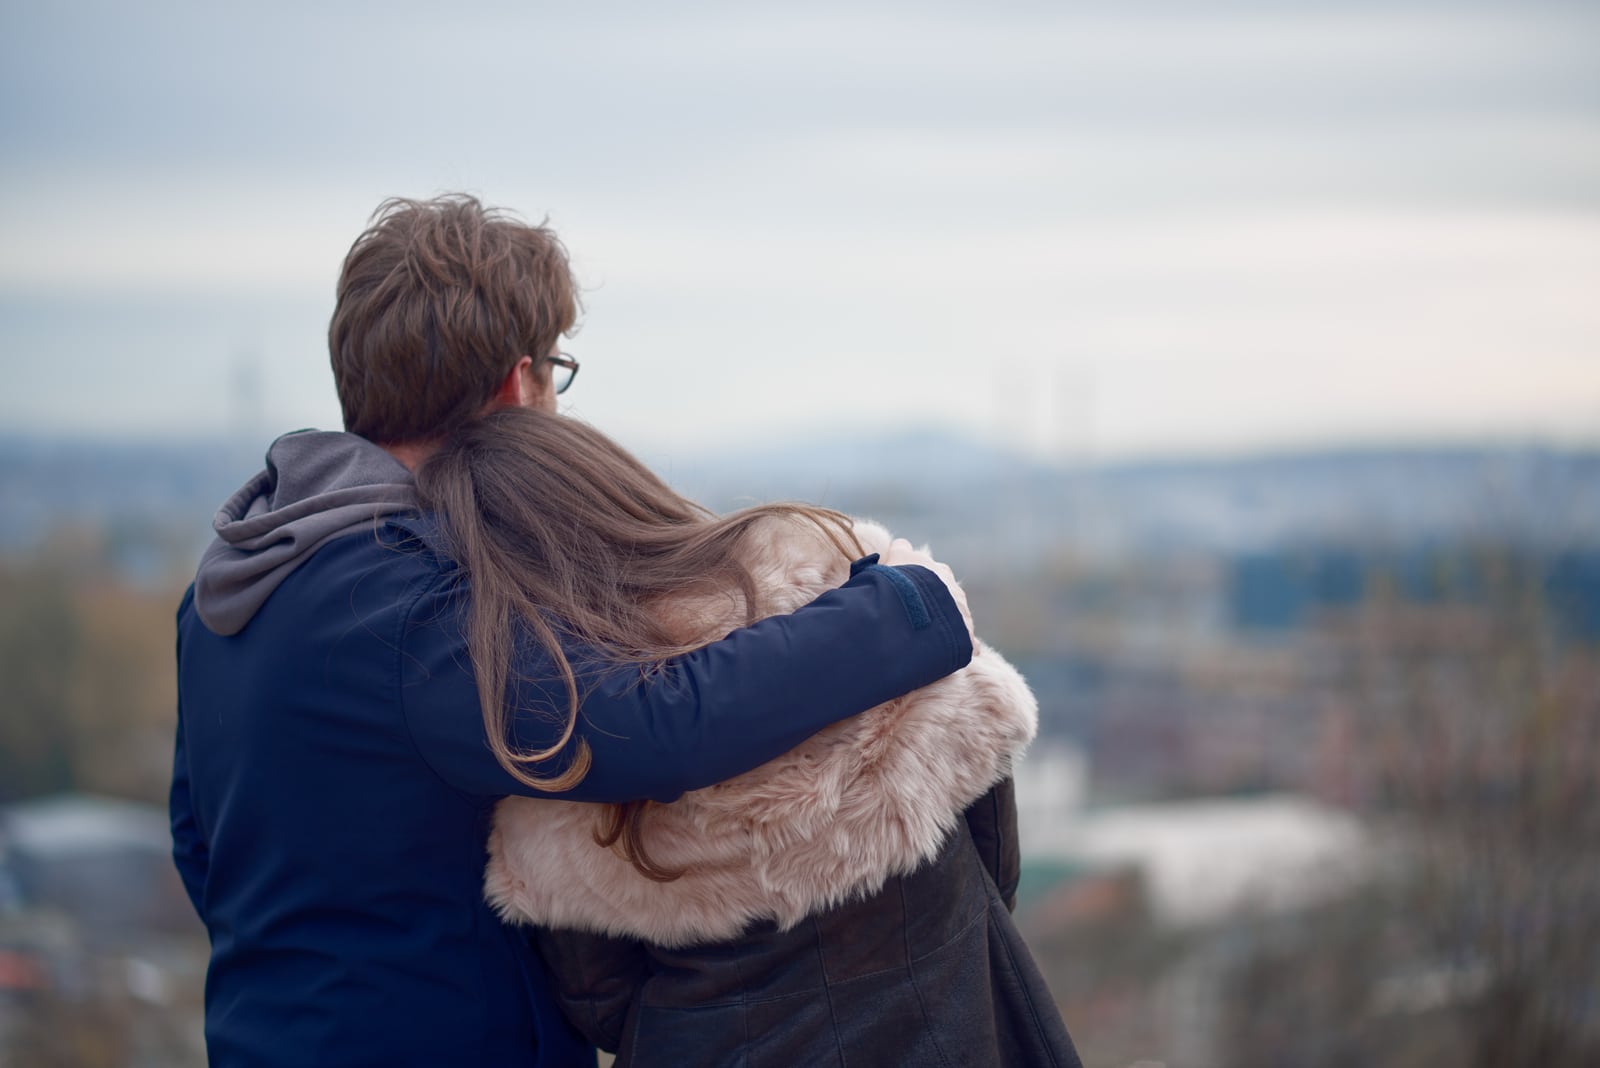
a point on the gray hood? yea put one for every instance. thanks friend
(317, 486)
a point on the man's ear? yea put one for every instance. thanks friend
(513, 389)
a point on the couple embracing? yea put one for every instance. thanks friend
(492, 749)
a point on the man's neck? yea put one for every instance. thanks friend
(411, 454)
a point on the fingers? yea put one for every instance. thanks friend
(900, 552)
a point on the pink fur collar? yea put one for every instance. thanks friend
(834, 818)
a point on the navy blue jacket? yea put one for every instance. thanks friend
(333, 786)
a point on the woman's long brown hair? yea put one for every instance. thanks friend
(567, 538)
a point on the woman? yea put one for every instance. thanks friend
(828, 907)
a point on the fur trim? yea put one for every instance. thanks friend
(863, 800)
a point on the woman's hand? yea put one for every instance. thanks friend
(900, 552)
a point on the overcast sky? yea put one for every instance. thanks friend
(1084, 230)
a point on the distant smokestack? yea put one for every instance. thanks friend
(246, 409)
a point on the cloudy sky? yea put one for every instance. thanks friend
(1084, 230)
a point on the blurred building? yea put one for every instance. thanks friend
(102, 959)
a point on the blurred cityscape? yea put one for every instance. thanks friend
(1314, 784)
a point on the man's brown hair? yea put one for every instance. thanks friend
(437, 301)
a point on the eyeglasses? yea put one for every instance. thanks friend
(565, 369)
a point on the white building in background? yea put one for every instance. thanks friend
(1211, 869)
(104, 862)
(1202, 860)
(1052, 786)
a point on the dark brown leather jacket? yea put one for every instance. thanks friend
(929, 971)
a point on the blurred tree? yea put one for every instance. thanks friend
(1478, 734)
(87, 694)
(1308, 990)
(123, 697)
(1486, 716)
(39, 647)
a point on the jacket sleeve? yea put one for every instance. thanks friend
(596, 978)
(707, 715)
(992, 822)
(189, 850)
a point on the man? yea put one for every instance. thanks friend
(333, 782)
